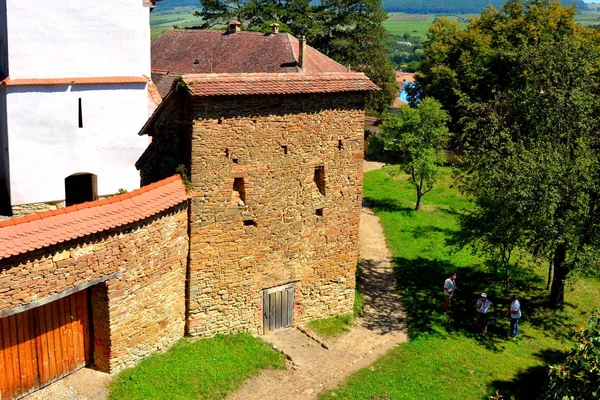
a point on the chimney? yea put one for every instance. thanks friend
(274, 28)
(234, 26)
(302, 51)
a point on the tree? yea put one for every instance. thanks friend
(349, 31)
(418, 136)
(532, 158)
(462, 67)
(579, 376)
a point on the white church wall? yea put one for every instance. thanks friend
(3, 39)
(4, 171)
(51, 146)
(78, 38)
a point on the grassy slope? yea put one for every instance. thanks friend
(445, 359)
(201, 369)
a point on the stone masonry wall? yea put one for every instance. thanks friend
(278, 227)
(138, 310)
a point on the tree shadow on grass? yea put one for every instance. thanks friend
(420, 282)
(386, 205)
(530, 383)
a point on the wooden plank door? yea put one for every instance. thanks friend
(278, 308)
(41, 345)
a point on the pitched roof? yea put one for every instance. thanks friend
(262, 84)
(36, 231)
(75, 81)
(193, 51)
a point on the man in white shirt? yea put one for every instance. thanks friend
(449, 288)
(515, 314)
(483, 305)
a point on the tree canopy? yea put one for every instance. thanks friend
(349, 31)
(532, 155)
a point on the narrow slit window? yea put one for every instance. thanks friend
(226, 153)
(285, 149)
(239, 191)
(80, 114)
(320, 179)
(340, 144)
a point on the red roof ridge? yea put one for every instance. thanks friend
(99, 80)
(87, 218)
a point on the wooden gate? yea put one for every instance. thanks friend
(41, 345)
(278, 307)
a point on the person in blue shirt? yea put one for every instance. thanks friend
(483, 306)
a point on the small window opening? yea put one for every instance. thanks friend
(80, 188)
(340, 144)
(197, 61)
(249, 222)
(80, 114)
(285, 149)
(227, 153)
(235, 160)
(319, 212)
(239, 191)
(320, 179)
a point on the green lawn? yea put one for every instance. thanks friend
(417, 24)
(200, 369)
(445, 358)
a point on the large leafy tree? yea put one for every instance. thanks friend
(418, 137)
(349, 31)
(532, 157)
(462, 67)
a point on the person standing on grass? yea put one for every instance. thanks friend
(483, 305)
(514, 313)
(449, 288)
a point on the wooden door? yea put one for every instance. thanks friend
(278, 308)
(41, 345)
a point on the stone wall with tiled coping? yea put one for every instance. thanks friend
(278, 228)
(136, 276)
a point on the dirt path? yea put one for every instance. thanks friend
(315, 368)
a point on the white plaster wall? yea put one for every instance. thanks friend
(78, 38)
(3, 39)
(46, 144)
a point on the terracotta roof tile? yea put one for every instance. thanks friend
(260, 84)
(194, 51)
(36, 231)
(75, 81)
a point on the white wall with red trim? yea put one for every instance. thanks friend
(46, 143)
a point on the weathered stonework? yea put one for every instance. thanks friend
(137, 277)
(274, 235)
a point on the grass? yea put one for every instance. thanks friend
(417, 24)
(200, 369)
(445, 358)
(335, 326)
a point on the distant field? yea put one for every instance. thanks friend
(418, 24)
(162, 21)
(397, 23)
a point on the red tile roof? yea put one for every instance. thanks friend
(36, 231)
(194, 51)
(261, 84)
(76, 81)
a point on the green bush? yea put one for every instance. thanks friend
(579, 376)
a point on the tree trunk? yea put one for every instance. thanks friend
(418, 205)
(557, 292)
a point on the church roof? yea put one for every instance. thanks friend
(193, 51)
